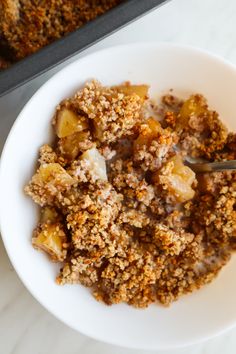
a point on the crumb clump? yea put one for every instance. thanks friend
(120, 210)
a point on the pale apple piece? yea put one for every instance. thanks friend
(181, 190)
(69, 146)
(96, 163)
(54, 174)
(183, 171)
(195, 105)
(154, 126)
(68, 122)
(177, 179)
(151, 129)
(48, 215)
(140, 90)
(51, 238)
(48, 182)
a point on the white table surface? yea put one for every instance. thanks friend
(25, 326)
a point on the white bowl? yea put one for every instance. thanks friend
(194, 317)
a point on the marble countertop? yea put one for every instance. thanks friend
(25, 326)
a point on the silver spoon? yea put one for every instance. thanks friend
(201, 165)
(210, 166)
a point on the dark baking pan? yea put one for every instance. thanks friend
(62, 49)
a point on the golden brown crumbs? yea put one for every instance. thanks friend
(120, 209)
(26, 25)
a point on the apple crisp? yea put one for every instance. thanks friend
(119, 208)
(28, 25)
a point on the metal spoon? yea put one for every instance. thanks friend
(201, 165)
(210, 166)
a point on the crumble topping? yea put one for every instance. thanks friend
(120, 209)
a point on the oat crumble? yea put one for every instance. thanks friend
(28, 25)
(120, 209)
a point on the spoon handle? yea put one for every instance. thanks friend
(212, 166)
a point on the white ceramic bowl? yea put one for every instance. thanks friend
(194, 317)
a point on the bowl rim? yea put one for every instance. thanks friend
(3, 158)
